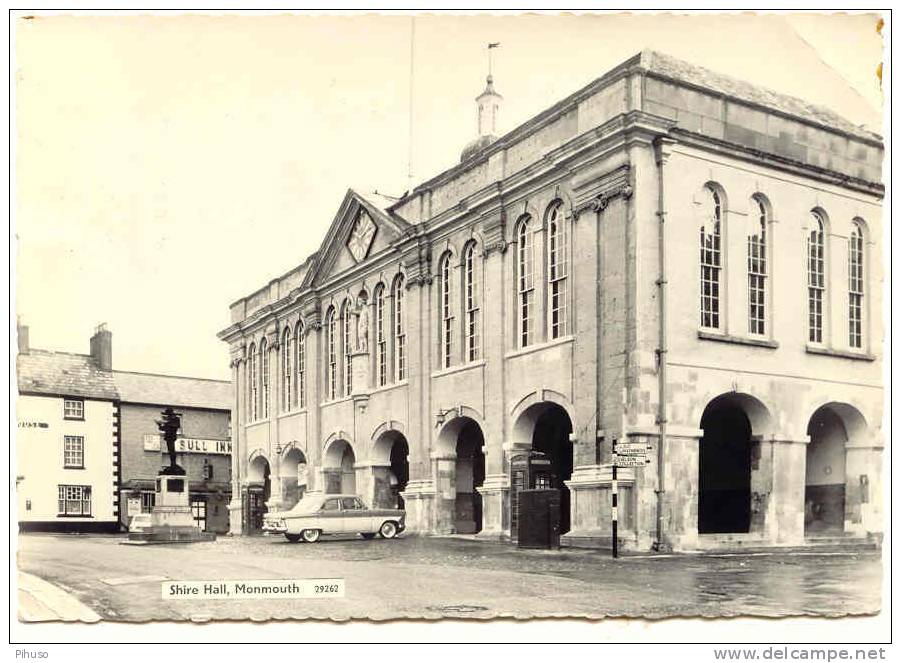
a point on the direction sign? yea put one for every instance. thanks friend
(631, 461)
(631, 449)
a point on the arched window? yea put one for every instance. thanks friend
(264, 379)
(757, 269)
(331, 343)
(525, 287)
(816, 277)
(446, 307)
(711, 260)
(346, 325)
(855, 286)
(557, 270)
(252, 383)
(286, 369)
(471, 294)
(300, 366)
(400, 334)
(381, 335)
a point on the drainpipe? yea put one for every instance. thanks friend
(661, 154)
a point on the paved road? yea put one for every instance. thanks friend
(445, 577)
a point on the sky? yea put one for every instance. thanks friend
(166, 166)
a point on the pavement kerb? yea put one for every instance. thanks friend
(53, 603)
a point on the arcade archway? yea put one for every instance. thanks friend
(338, 468)
(826, 489)
(293, 477)
(257, 493)
(392, 471)
(461, 440)
(732, 424)
(546, 426)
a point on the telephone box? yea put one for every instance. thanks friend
(528, 470)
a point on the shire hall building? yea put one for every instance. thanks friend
(669, 258)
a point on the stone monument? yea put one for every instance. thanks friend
(171, 519)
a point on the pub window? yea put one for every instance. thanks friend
(148, 501)
(74, 500)
(471, 294)
(557, 270)
(816, 277)
(711, 260)
(73, 452)
(198, 511)
(855, 286)
(73, 408)
(757, 270)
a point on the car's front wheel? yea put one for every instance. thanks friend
(293, 538)
(388, 530)
(311, 535)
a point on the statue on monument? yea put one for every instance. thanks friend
(363, 329)
(169, 426)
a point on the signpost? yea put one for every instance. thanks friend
(628, 454)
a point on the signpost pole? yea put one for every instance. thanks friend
(613, 492)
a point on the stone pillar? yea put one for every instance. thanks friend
(495, 492)
(863, 486)
(444, 474)
(495, 489)
(418, 498)
(315, 375)
(238, 455)
(762, 505)
(591, 507)
(680, 501)
(785, 515)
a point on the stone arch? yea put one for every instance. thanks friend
(836, 482)
(522, 427)
(460, 458)
(733, 425)
(388, 457)
(339, 466)
(292, 475)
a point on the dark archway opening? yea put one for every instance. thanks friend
(551, 437)
(258, 493)
(724, 469)
(400, 470)
(470, 475)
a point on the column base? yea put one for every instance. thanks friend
(419, 497)
(495, 492)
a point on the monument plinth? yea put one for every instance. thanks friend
(171, 519)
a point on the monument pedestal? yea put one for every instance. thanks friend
(171, 519)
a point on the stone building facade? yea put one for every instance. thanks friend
(668, 257)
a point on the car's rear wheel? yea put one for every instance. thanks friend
(311, 535)
(388, 530)
(368, 535)
(293, 538)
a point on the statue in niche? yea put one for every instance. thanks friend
(363, 329)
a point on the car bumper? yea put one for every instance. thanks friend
(274, 528)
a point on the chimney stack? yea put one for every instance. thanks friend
(102, 347)
(22, 335)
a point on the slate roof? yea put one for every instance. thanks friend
(68, 374)
(173, 390)
(670, 67)
(63, 374)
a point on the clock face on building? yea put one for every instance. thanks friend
(361, 236)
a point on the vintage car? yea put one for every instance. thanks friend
(139, 522)
(320, 514)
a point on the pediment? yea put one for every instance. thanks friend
(359, 231)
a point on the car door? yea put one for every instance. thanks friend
(330, 516)
(353, 516)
